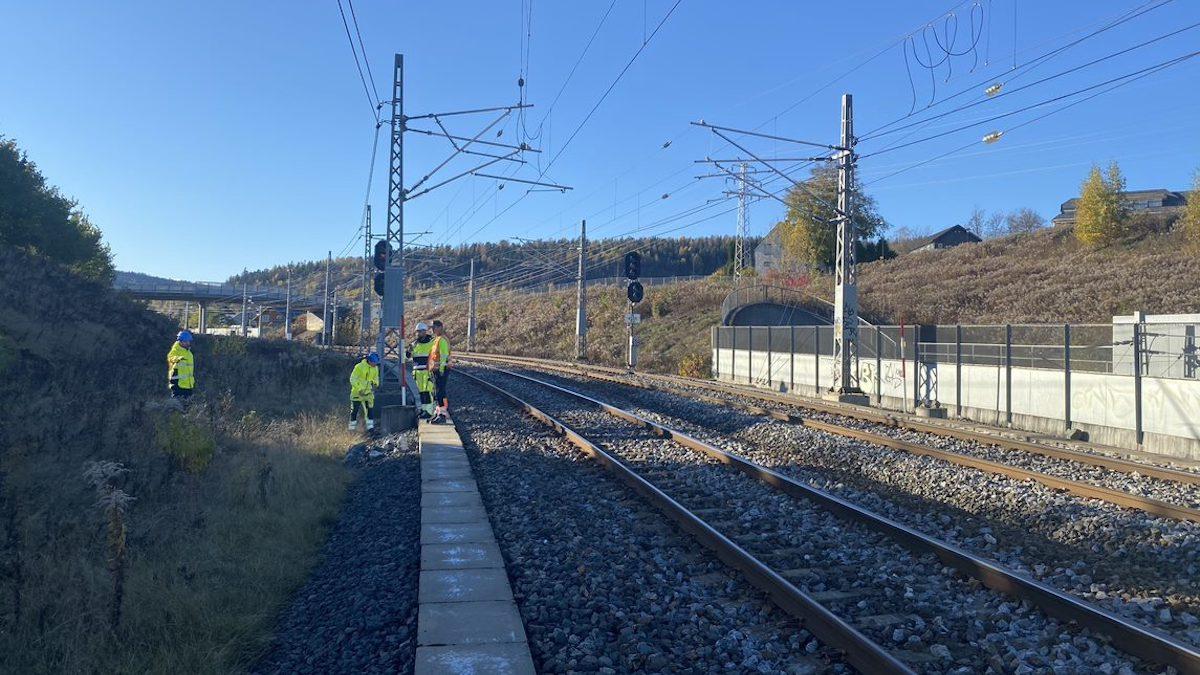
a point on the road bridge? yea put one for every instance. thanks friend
(205, 293)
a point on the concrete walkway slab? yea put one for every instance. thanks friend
(453, 514)
(430, 499)
(468, 623)
(463, 585)
(457, 533)
(438, 485)
(460, 556)
(441, 471)
(494, 659)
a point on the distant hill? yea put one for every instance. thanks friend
(139, 278)
(532, 263)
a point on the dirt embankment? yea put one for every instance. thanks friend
(191, 530)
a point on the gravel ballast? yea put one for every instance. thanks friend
(1142, 567)
(923, 611)
(604, 582)
(358, 611)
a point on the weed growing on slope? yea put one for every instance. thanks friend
(233, 497)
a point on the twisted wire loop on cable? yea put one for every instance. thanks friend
(1137, 74)
(986, 99)
(950, 34)
(1024, 68)
(1119, 82)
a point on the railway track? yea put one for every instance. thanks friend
(1159, 491)
(872, 582)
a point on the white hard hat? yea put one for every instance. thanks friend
(422, 326)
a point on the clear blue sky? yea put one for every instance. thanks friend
(204, 138)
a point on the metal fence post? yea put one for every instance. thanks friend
(1137, 383)
(733, 355)
(1067, 375)
(878, 366)
(716, 341)
(916, 366)
(958, 369)
(770, 359)
(1008, 374)
(792, 361)
(816, 360)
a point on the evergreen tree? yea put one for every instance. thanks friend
(35, 217)
(1102, 215)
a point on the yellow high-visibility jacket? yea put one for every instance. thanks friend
(364, 379)
(419, 352)
(181, 367)
(439, 356)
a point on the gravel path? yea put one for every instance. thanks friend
(358, 611)
(931, 616)
(1139, 566)
(604, 582)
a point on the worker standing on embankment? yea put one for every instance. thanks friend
(364, 380)
(439, 363)
(181, 366)
(419, 352)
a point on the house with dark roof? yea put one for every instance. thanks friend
(768, 255)
(1139, 201)
(955, 235)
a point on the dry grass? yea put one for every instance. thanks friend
(1044, 277)
(676, 321)
(232, 500)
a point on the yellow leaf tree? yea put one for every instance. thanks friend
(1191, 215)
(1101, 215)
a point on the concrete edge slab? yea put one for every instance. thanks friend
(467, 620)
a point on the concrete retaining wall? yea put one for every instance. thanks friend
(1101, 404)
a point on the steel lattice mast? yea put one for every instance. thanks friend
(739, 253)
(845, 316)
(393, 391)
(845, 372)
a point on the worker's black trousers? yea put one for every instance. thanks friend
(356, 406)
(441, 391)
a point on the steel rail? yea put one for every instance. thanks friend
(1134, 638)
(798, 401)
(1148, 505)
(860, 651)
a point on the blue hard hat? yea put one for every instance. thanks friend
(373, 359)
(184, 336)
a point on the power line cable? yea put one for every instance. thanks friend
(1048, 78)
(362, 47)
(1146, 73)
(358, 65)
(1134, 74)
(1033, 63)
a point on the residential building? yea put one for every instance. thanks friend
(955, 235)
(1139, 201)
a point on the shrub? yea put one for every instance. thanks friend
(191, 444)
(695, 364)
(1191, 216)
